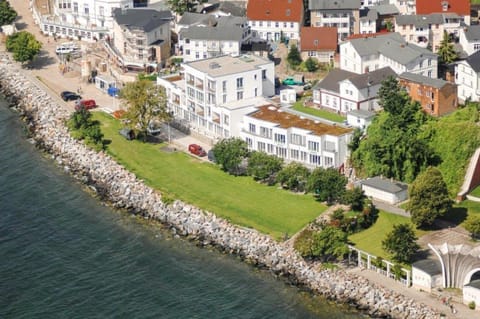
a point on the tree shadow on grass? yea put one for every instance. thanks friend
(456, 215)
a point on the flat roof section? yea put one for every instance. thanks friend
(270, 113)
(225, 65)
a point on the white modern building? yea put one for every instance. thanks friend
(467, 77)
(405, 7)
(367, 54)
(212, 95)
(426, 274)
(422, 30)
(272, 130)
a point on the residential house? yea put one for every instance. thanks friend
(344, 91)
(470, 39)
(467, 77)
(362, 55)
(295, 138)
(385, 190)
(460, 8)
(369, 22)
(319, 43)
(343, 14)
(213, 94)
(360, 118)
(436, 96)
(141, 37)
(405, 7)
(272, 20)
(422, 30)
(190, 19)
(225, 8)
(223, 35)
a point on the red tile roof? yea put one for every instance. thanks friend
(318, 38)
(460, 7)
(367, 35)
(275, 10)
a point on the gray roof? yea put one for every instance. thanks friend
(231, 20)
(474, 284)
(429, 266)
(234, 8)
(386, 9)
(142, 18)
(331, 81)
(370, 45)
(225, 33)
(474, 61)
(403, 52)
(418, 78)
(472, 32)
(376, 77)
(368, 14)
(333, 4)
(363, 114)
(420, 20)
(192, 18)
(384, 184)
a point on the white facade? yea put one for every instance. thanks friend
(385, 190)
(405, 6)
(292, 141)
(273, 30)
(344, 20)
(194, 50)
(471, 293)
(470, 46)
(468, 82)
(360, 119)
(422, 280)
(368, 25)
(215, 93)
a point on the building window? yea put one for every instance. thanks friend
(261, 146)
(279, 138)
(239, 83)
(264, 74)
(252, 128)
(328, 161)
(249, 142)
(297, 139)
(265, 132)
(101, 11)
(313, 146)
(239, 95)
(281, 152)
(86, 9)
(75, 7)
(269, 148)
(294, 154)
(315, 160)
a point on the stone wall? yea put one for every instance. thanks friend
(46, 118)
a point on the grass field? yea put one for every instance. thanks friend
(476, 191)
(239, 199)
(475, 1)
(319, 113)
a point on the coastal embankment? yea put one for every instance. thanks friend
(46, 122)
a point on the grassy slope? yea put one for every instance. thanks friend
(238, 199)
(319, 113)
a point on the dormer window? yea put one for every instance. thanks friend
(287, 13)
(445, 5)
(315, 43)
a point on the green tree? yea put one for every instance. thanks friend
(24, 46)
(294, 177)
(391, 96)
(428, 198)
(472, 225)
(83, 127)
(355, 198)
(329, 243)
(146, 103)
(446, 51)
(230, 153)
(303, 243)
(293, 57)
(182, 6)
(7, 13)
(263, 166)
(311, 64)
(401, 243)
(327, 184)
(356, 138)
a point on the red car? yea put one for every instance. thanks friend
(85, 104)
(196, 150)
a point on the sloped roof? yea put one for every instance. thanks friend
(385, 184)
(418, 78)
(332, 80)
(275, 10)
(419, 20)
(193, 18)
(363, 114)
(472, 32)
(474, 61)
(368, 14)
(461, 7)
(474, 284)
(333, 4)
(142, 18)
(318, 38)
(387, 9)
(361, 81)
(429, 266)
(225, 33)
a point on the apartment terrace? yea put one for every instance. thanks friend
(270, 113)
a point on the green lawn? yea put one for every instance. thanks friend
(319, 113)
(370, 240)
(475, 1)
(239, 199)
(476, 191)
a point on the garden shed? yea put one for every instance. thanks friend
(385, 190)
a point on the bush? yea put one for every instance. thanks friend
(472, 305)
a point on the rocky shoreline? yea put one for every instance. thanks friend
(46, 122)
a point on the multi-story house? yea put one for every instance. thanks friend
(405, 7)
(295, 138)
(343, 91)
(470, 39)
(369, 22)
(460, 8)
(87, 19)
(319, 43)
(467, 77)
(272, 20)
(436, 96)
(343, 14)
(213, 94)
(366, 54)
(422, 30)
(141, 37)
(224, 36)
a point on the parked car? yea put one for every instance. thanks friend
(66, 48)
(69, 96)
(291, 81)
(86, 104)
(154, 128)
(211, 156)
(196, 150)
(128, 133)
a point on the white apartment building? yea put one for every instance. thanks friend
(344, 15)
(213, 94)
(469, 39)
(422, 30)
(467, 77)
(310, 142)
(405, 7)
(368, 21)
(372, 53)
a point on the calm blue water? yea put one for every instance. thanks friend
(63, 255)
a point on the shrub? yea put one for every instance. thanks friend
(472, 305)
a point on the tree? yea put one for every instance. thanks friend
(182, 6)
(311, 64)
(472, 225)
(446, 51)
(401, 243)
(355, 198)
(229, 154)
(355, 142)
(327, 184)
(428, 198)
(329, 243)
(263, 166)
(7, 13)
(146, 103)
(293, 57)
(391, 96)
(23, 45)
(294, 177)
(82, 127)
